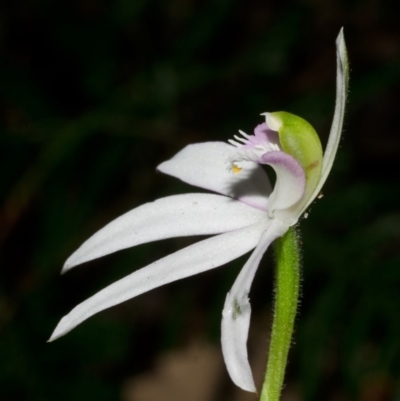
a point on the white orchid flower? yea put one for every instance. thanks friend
(247, 214)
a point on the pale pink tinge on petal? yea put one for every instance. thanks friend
(290, 180)
(264, 135)
(250, 147)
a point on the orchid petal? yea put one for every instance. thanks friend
(174, 216)
(204, 165)
(237, 311)
(194, 259)
(290, 180)
(342, 81)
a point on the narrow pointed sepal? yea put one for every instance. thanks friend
(237, 312)
(199, 257)
(342, 84)
(173, 216)
(234, 333)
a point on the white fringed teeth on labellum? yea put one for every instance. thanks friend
(244, 214)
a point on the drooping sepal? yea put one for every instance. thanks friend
(237, 311)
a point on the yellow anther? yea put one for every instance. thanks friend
(236, 169)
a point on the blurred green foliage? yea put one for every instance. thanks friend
(96, 93)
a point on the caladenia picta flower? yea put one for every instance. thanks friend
(246, 214)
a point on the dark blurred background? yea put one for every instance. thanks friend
(95, 94)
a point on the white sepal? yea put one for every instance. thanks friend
(342, 81)
(174, 216)
(194, 259)
(237, 312)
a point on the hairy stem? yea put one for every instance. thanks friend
(286, 298)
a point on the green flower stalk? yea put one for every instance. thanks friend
(287, 254)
